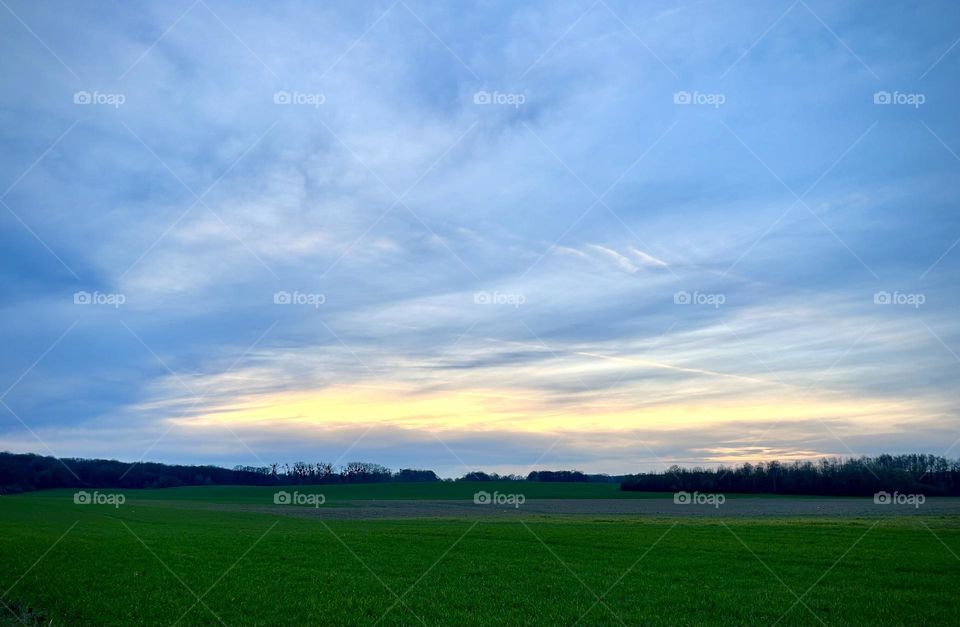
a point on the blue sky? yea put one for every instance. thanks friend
(603, 235)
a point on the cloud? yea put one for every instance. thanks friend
(400, 198)
(647, 259)
(619, 259)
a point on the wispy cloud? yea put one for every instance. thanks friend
(496, 221)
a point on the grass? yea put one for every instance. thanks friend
(252, 495)
(148, 561)
(461, 490)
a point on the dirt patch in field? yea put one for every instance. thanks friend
(654, 508)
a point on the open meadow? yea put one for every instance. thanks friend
(422, 312)
(568, 554)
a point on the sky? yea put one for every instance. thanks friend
(501, 236)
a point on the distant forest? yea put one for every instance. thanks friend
(913, 473)
(25, 472)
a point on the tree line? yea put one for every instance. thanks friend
(27, 471)
(914, 473)
(24, 472)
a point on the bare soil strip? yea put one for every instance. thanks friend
(654, 508)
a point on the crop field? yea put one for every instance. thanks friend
(569, 554)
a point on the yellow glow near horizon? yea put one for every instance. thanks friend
(484, 410)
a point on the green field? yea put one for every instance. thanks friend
(190, 556)
(380, 491)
